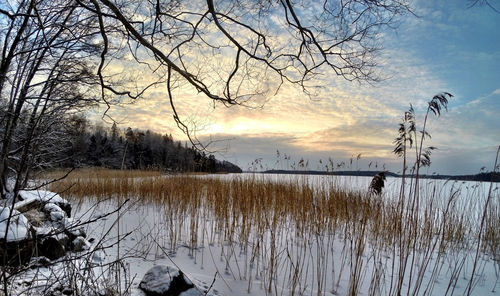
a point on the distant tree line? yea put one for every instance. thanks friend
(58, 57)
(134, 149)
(61, 138)
(482, 177)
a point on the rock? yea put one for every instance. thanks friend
(59, 291)
(66, 207)
(64, 240)
(42, 197)
(17, 252)
(80, 244)
(35, 217)
(55, 213)
(55, 293)
(75, 232)
(163, 280)
(56, 216)
(192, 292)
(29, 205)
(51, 248)
(18, 225)
(18, 245)
(40, 226)
(67, 291)
(38, 262)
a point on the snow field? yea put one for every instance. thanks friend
(268, 242)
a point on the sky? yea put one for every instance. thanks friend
(446, 47)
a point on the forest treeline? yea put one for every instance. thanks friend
(115, 148)
(482, 177)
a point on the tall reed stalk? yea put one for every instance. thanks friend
(297, 236)
(481, 227)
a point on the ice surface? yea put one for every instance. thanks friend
(230, 267)
(191, 292)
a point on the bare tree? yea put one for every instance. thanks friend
(235, 51)
(488, 3)
(231, 52)
(58, 56)
(44, 75)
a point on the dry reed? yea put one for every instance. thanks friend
(283, 223)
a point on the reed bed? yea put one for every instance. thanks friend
(297, 237)
(96, 172)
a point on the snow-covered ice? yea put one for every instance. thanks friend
(326, 269)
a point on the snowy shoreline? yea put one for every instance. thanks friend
(163, 235)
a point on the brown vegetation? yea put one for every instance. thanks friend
(268, 218)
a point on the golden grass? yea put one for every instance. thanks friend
(97, 172)
(255, 200)
(263, 202)
(257, 213)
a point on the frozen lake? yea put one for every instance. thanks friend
(273, 252)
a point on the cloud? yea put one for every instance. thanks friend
(466, 136)
(475, 123)
(465, 160)
(243, 150)
(341, 119)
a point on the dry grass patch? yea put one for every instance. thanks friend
(281, 225)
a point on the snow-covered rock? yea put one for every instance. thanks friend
(40, 261)
(19, 245)
(43, 197)
(40, 226)
(52, 248)
(18, 226)
(55, 212)
(163, 280)
(80, 244)
(73, 231)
